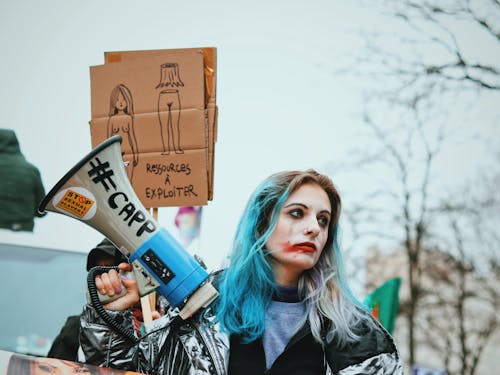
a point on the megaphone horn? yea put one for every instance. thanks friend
(97, 191)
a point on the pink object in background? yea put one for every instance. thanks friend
(188, 220)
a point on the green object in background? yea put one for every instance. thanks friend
(21, 187)
(384, 302)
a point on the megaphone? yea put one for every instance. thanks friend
(97, 192)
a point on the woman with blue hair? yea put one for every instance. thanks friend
(284, 305)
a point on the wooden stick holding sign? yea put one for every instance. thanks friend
(148, 302)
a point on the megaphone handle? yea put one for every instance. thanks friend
(104, 298)
(97, 304)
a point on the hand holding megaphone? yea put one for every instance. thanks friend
(97, 191)
(117, 289)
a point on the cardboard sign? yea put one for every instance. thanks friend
(162, 103)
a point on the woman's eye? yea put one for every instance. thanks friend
(323, 221)
(45, 368)
(82, 370)
(297, 213)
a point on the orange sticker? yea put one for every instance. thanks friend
(75, 203)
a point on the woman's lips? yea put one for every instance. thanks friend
(306, 247)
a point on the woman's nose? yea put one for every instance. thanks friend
(312, 228)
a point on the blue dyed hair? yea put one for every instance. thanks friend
(247, 286)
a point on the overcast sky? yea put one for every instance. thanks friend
(281, 105)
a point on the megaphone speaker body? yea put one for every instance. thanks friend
(97, 191)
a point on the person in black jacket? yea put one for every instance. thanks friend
(21, 187)
(65, 345)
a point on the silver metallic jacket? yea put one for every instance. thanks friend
(173, 346)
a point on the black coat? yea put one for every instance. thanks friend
(65, 345)
(305, 356)
(21, 187)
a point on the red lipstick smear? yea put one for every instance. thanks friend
(305, 247)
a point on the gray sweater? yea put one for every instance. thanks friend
(283, 319)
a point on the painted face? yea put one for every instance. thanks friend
(56, 367)
(76, 368)
(120, 103)
(300, 234)
(45, 367)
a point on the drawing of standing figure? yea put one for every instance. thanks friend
(169, 109)
(121, 122)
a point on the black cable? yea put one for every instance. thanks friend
(96, 303)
